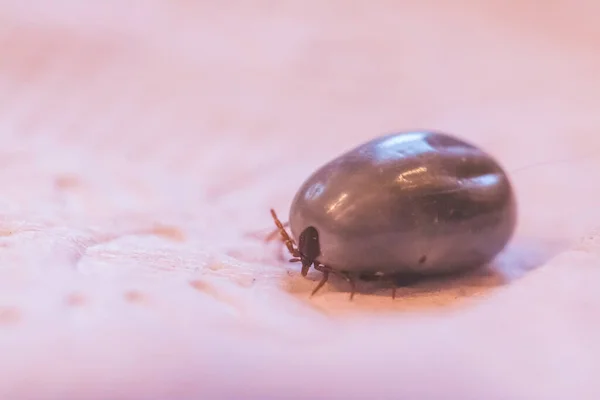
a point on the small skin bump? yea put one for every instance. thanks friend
(215, 267)
(75, 299)
(208, 289)
(9, 315)
(134, 296)
(66, 182)
(169, 232)
(200, 285)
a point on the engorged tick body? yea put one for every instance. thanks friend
(417, 203)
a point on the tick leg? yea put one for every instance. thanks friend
(352, 283)
(275, 232)
(326, 271)
(394, 292)
(285, 237)
(322, 282)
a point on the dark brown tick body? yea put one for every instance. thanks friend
(411, 203)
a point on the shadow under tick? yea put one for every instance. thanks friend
(418, 292)
(414, 291)
(484, 277)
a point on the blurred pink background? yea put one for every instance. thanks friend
(143, 144)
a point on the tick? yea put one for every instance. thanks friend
(416, 203)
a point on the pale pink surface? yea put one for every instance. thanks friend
(142, 148)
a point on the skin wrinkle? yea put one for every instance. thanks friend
(184, 122)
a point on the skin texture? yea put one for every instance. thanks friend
(411, 202)
(143, 145)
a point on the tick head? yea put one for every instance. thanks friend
(308, 246)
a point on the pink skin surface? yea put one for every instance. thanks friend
(143, 147)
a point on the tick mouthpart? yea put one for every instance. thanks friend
(305, 267)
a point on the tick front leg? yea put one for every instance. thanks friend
(275, 232)
(285, 237)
